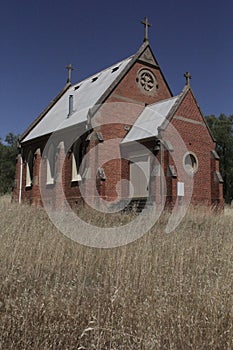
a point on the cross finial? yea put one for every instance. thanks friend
(188, 77)
(69, 68)
(146, 26)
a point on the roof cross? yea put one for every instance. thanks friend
(69, 68)
(188, 77)
(146, 26)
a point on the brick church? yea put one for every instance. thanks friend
(120, 136)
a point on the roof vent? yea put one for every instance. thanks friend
(115, 69)
(94, 79)
(77, 87)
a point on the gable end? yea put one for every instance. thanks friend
(181, 112)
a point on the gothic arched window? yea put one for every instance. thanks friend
(29, 169)
(77, 160)
(50, 165)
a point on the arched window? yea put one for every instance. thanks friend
(77, 160)
(29, 169)
(50, 165)
(190, 163)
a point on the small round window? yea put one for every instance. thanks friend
(190, 163)
(146, 81)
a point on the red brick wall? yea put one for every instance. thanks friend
(199, 141)
(36, 197)
(216, 187)
(129, 105)
(121, 109)
(129, 88)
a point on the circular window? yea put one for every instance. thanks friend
(190, 163)
(147, 81)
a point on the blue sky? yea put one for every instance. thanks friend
(39, 38)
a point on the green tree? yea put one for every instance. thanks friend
(8, 153)
(222, 130)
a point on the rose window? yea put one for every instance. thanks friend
(147, 81)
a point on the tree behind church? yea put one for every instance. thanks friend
(222, 129)
(8, 153)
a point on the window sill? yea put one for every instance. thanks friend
(50, 182)
(77, 178)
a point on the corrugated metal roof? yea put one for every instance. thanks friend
(85, 95)
(149, 120)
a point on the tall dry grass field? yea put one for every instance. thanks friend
(161, 292)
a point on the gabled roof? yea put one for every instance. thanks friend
(150, 120)
(85, 95)
(88, 95)
(157, 116)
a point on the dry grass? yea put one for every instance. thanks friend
(160, 292)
